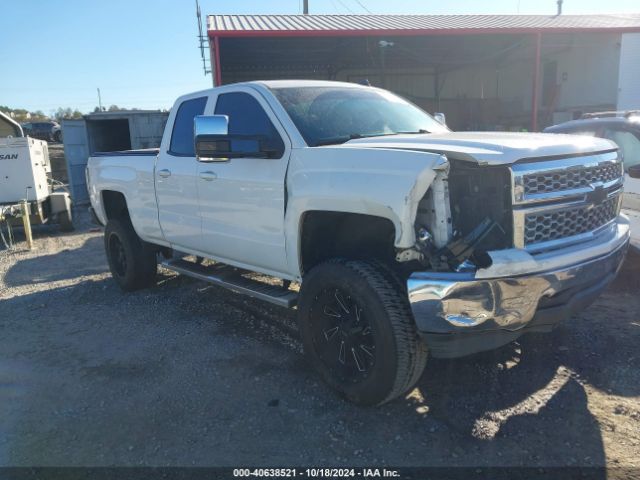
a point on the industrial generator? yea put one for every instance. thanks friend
(25, 176)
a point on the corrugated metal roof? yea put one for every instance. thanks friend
(271, 25)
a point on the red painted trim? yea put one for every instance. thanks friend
(536, 84)
(216, 61)
(410, 32)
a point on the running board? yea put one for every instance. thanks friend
(232, 279)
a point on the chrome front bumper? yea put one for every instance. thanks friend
(463, 313)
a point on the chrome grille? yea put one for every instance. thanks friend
(571, 178)
(560, 201)
(544, 227)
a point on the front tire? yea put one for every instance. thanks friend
(132, 263)
(358, 331)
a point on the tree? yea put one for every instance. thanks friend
(114, 108)
(62, 113)
(21, 115)
(67, 113)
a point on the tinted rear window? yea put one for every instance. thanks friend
(182, 135)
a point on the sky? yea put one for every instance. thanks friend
(143, 53)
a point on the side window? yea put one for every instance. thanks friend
(629, 145)
(247, 117)
(182, 134)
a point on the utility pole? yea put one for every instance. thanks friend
(99, 100)
(559, 7)
(305, 7)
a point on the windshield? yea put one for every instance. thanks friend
(330, 115)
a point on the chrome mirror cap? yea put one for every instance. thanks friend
(210, 137)
(210, 125)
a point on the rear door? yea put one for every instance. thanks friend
(242, 200)
(175, 176)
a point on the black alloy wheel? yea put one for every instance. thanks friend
(118, 255)
(358, 331)
(342, 335)
(132, 262)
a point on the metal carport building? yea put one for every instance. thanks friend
(484, 71)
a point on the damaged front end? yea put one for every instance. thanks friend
(465, 214)
(505, 249)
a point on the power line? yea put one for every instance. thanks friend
(365, 8)
(346, 7)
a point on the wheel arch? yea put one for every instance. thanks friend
(114, 204)
(325, 234)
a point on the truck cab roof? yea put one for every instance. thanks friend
(594, 122)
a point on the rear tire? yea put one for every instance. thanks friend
(132, 262)
(358, 331)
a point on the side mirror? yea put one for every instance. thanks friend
(634, 171)
(440, 118)
(214, 144)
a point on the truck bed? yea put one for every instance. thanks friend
(131, 174)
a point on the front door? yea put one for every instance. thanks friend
(242, 200)
(175, 177)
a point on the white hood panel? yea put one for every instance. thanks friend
(489, 148)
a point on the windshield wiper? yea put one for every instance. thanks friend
(353, 136)
(417, 132)
(333, 140)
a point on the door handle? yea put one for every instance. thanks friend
(208, 176)
(164, 173)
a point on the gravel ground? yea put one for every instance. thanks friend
(189, 374)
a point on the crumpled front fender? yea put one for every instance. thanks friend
(386, 183)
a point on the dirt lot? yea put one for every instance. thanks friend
(187, 374)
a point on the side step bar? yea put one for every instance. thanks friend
(233, 280)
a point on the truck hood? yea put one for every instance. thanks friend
(489, 148)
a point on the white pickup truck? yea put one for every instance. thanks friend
(405, 238)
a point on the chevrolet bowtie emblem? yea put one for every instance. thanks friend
(598, 195)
